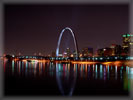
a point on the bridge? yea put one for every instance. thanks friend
(102, 59)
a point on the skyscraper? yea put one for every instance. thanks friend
(127, 44)
(68, 52)
(116, 49)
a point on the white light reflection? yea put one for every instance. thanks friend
(26, 69)
(108, 72)
(116, 72)
(131, 73)
(19, 64)
(121, 76)
(101, 71)
(13, 66)
(96, 71)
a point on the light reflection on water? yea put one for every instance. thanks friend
(66, 73)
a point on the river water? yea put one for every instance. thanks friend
(23, 78)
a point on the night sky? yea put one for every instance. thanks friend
(36, 28)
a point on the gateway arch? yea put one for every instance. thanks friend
(60, 37)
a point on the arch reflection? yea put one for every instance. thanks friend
(66, 78)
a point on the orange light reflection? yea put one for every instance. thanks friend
(81, 62)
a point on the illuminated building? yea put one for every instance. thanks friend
(116, 50)
(113, 46)
(68, 52)
(127, 44)
(71, 55)
(65, 54)
(108, 52)
(100, 52)
(105, 52)
(74, 54)
(87, 52)
(60, 55)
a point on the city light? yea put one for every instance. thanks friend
(43, 57)
(81, 62)
(106, 63)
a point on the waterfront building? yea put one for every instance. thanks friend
(68, 52)
(116, 50)
(127, 44)
(100, 52)
(108, 51)
(105, 52)
(87, 52)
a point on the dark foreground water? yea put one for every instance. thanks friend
(24, 78)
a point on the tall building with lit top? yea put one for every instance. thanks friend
(116, 50)
(68, 52)
(113, 49)
(127, 44)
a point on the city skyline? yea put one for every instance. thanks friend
(36, 28)
(73, 50)
(112, 50)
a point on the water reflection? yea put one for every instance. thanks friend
(108, 72)
(12, 66)
(101, 71)
(66, 78)
(67, 74)
(116, 72)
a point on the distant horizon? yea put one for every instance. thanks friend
(32, 29)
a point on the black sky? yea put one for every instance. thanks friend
(36, 28)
